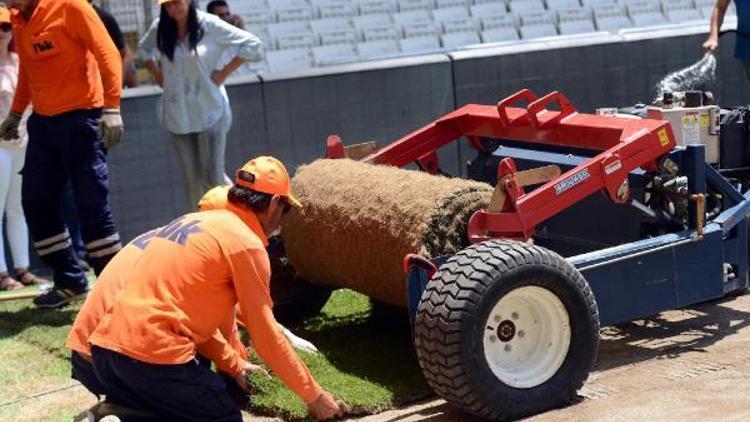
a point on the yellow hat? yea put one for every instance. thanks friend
(267, 175)
(164, 1)
(214, 199)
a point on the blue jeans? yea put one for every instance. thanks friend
(67, 148)
(746, 66)
(186, 392)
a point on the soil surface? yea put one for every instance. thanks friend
(685, 365)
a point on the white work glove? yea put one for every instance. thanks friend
(111, 126)
(298, 342)
(9, 127)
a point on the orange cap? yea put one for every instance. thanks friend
(267, 175)
(4, 14)
(214, 199)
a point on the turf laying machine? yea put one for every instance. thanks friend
(567, 222)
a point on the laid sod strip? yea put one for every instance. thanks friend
(367, 360)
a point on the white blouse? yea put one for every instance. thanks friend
(191, 101)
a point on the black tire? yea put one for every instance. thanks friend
(450, 325)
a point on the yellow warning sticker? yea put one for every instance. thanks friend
(663, 137)
(705, 120)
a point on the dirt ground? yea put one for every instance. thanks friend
(686, 365)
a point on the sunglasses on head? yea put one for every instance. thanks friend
(6, 27)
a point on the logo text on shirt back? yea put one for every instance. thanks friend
(42, 46)
(179, 230)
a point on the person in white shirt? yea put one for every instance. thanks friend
(190, 48)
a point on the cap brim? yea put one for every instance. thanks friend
(294, 202)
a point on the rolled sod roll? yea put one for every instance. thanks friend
(360, 221)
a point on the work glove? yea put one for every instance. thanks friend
(9, 127)
(298, 342)
(111, 127)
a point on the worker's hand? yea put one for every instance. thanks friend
(220, 76)
(111, 127)
(249, 369)
(325, 407)
(9, 127)
(711, 44)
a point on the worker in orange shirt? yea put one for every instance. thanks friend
(192, 273)
(71, 75)
(225, 348)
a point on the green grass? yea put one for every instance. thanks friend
(366, 360)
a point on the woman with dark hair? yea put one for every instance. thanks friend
(190, 47)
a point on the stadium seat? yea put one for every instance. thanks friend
(500, 34)
(538, 30)
(678, 11)
(441, 4)
(535, 17)
(611, 17)
(596, 3)
(334, 54)
(517, 6)
(576, 27)
(276, 31)
(466, 24)
(289, 60)
(415, 23)
(376, 23)
(333, 31)
(441, 15)
(258, 17)
(407, 5)
(460, 39)
(563, 4)
(488, 9)
(370, 50)
(374, 34)
(333, 8)
(420, 45)
(375, 7)
(499, 21)
(645, 13)
(294, 41)
(291, 10)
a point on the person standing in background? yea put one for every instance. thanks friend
(742, 43)
(71, 74)
(12, 155)
(189, 46)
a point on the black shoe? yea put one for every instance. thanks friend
(56, 297)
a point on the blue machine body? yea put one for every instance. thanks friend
(632, 275)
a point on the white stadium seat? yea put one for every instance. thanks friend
(488, 9)
(517, 6)
(334, 54)
(420, 45)
(289, 60)
(370, 50)
(460, 39)
(501, 34)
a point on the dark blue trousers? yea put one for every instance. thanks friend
(83, 371)
(62, 148)
(188, 392)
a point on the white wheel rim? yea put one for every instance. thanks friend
(526, 337)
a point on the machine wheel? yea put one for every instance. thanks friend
(505, 330)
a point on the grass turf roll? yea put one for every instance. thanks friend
(360, 220)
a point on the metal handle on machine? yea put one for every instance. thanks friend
(502, 106)
(700, 213)
(566, 109)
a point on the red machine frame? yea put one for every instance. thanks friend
(625, 144)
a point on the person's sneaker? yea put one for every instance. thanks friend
(55, 297)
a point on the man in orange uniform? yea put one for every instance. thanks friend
(189, 277)
(224, 348)
(71, 74)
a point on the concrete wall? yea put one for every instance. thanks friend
(290, 116)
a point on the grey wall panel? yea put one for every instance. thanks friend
(380, 104)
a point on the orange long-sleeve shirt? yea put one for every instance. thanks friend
(224, 348)
(68, 60)
(189, 277)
